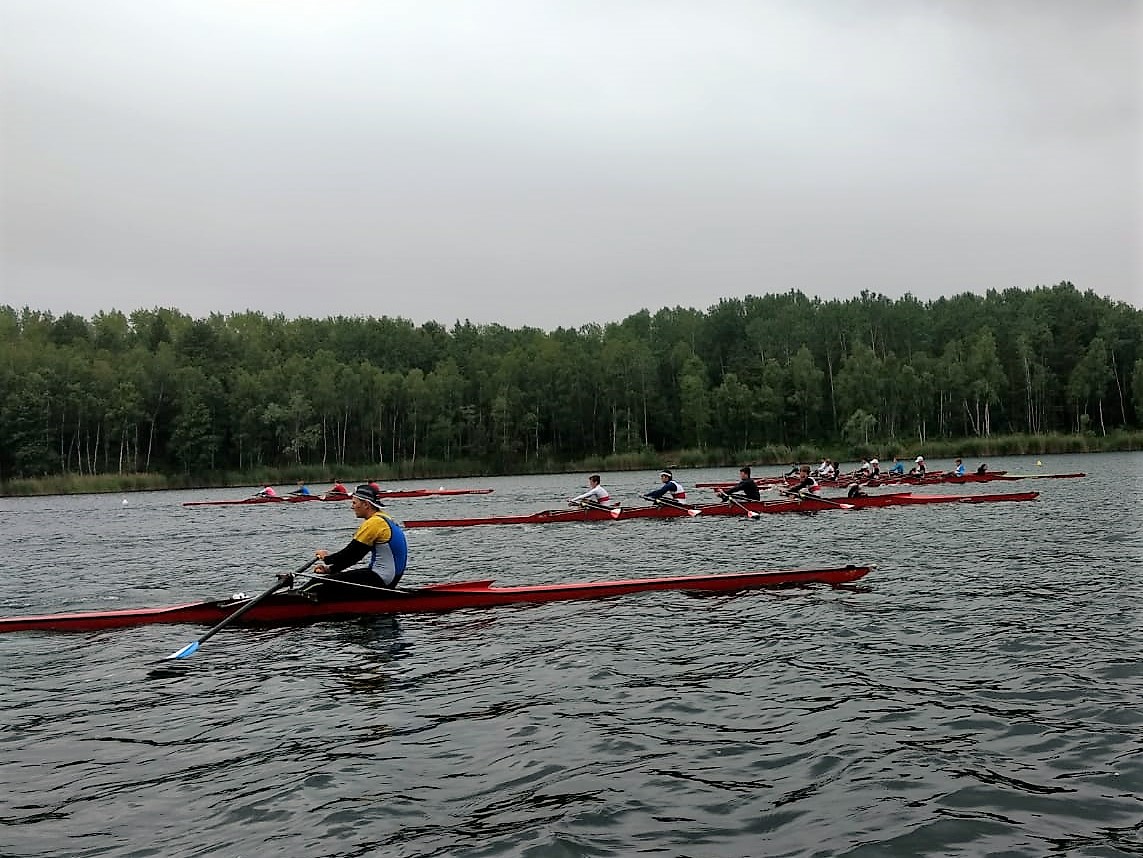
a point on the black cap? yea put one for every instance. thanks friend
(369, 495)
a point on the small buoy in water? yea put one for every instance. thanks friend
(1039, 464)
(124, 501)
(441, 488)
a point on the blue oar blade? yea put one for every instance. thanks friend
(187, 651)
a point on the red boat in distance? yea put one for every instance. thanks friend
(384, 493)
(735, 507)
(933, 478)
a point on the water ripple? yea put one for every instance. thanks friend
(978, 695)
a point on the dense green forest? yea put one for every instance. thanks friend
(159, 392)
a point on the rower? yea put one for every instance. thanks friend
(898, 467)
(982, 469)
(338, 489)
(302, 490)
(807, 483)
(745, 485)
(379, 537)
(874, 468)
(918, 469)
(856, 491)
(669, 486)
(596, 494)
(267, 492)
(958, 468)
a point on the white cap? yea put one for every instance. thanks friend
(874, 462)
(920, 458)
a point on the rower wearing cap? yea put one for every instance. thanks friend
(874, 468)
(958, 468)
(918, 469)
(745, 485)
(670, 486)
(378, 536)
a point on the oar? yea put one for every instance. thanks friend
(733, 501)
(282, 581)
(671, 502)
(612, 510)
(801, 496)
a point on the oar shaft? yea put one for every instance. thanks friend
(733, 501)
(279, 583)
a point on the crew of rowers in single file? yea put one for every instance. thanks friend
(671, 492)
(338, 491)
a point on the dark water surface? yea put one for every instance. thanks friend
(981, 695)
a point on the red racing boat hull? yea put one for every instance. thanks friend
(932, 478)
(392, 493)
(813, 504)
(293, 607)
(822, 504)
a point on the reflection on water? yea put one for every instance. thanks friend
(977, 694)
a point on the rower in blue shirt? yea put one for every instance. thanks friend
(958, 470)
(670, 486)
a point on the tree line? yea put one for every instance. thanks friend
(157, 391)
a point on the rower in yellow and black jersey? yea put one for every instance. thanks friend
(379, 537)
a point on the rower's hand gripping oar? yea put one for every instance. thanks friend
(282, 581)
(807, 496)
(671, 502)
(613, 511)
(733, 501)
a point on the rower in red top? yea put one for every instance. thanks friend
(670, 486)
(596, 494)
(745, 486)
(338, 489)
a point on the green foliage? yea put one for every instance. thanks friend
(157, 395)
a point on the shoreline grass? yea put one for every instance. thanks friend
(322, 476)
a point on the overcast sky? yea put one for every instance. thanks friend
(558, 163)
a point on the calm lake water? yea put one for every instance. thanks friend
(981, 694)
